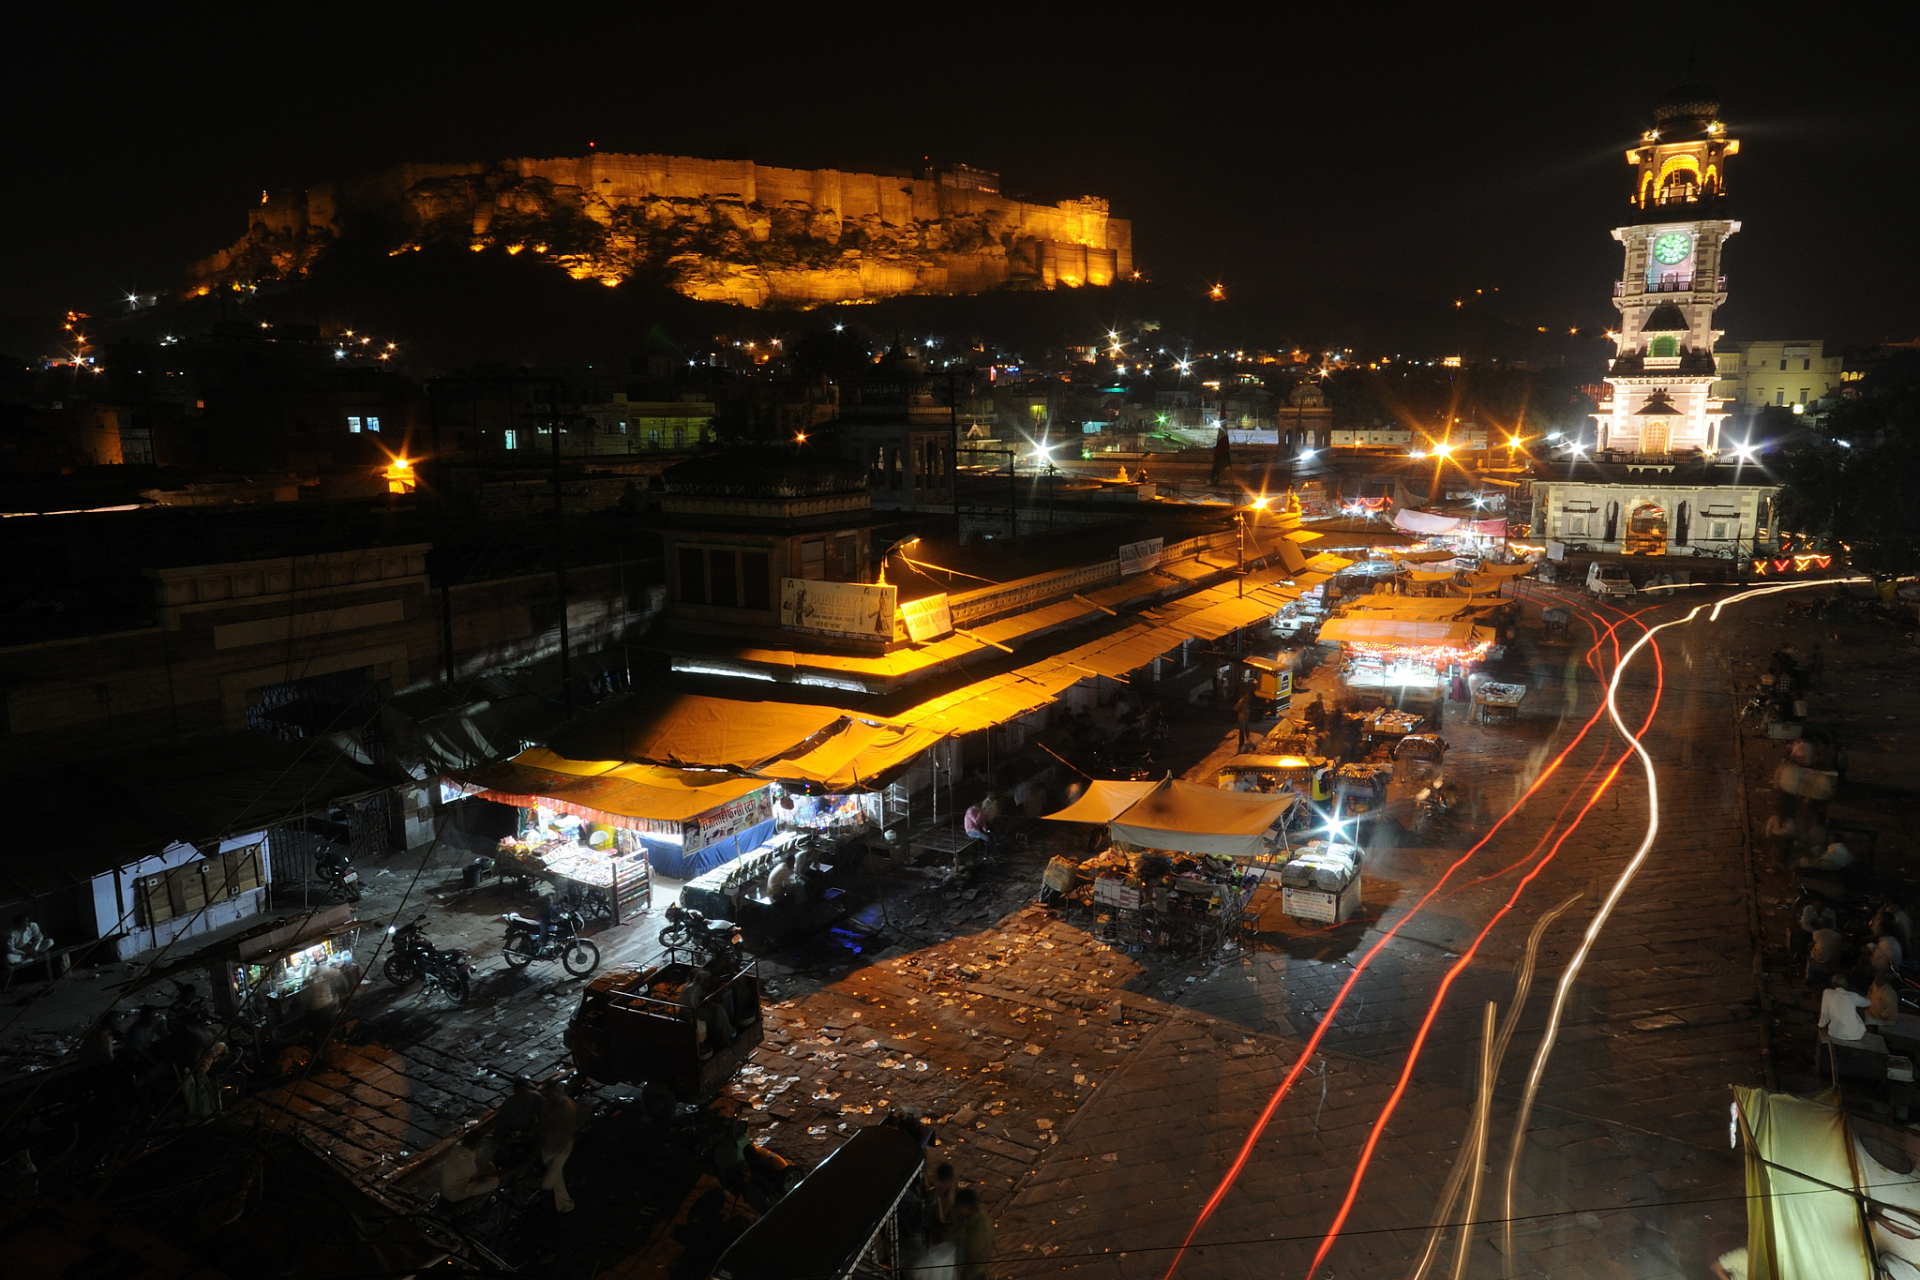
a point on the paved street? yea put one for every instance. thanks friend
(1096, 1099)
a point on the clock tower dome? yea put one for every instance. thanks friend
(1670, 284)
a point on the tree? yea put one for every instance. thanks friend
(1852, 476)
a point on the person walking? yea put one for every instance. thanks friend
(973, 1234)
(559, 1119)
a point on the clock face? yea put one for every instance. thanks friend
(1672, 247)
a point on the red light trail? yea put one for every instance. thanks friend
(1293, 1074)
(1467, 957)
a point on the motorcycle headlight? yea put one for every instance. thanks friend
(391, 930)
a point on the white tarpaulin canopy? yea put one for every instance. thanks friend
(1182, 816)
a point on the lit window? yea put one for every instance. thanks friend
(653, 437)
(353, 425)
(513, 439)
(373, 424)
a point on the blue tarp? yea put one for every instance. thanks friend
(670, 861)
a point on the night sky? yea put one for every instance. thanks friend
(1319, 168)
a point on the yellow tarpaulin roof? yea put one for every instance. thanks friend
(1401, 631)
(1305, 535)
(1417, 608)
(1477, 587)
(1419, 557)
(1504, 570)
(1182, 816)
(686, 729)
(1218, 620)
(631, 791)
(1328, 563)
(1105, 800)
(1430, 575)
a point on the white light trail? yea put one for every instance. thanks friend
(1627, 874)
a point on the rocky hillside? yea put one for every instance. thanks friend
(713, 230)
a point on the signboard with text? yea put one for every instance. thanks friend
(730, 819)
(838, 608)
(1138, 557)
(928, 619)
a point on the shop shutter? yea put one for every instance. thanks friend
(187, 888)
(150, 896)
(243, 869)
(214, 873)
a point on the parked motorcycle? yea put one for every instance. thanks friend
(690, 931)
(562, 942)
(334, 869)
(415, 959)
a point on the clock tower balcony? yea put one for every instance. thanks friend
(1676, 284)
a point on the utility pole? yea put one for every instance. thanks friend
(560, 549)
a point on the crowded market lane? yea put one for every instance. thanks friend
(1626, 1170)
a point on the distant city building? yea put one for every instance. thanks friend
(1754, 375)
(1663, 370)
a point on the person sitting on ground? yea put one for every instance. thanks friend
(25, 942)
(465, 1171)
(1883, 1001)
(1840, 1007)
(1825, 956)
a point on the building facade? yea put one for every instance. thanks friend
(1692, 509)
(1785, 373)
(1662, 375)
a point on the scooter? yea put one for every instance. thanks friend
(414, 959)
(563, 942)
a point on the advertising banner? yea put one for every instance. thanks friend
(1138, 557)
(928, 619)
(838, 608)
(731, 818)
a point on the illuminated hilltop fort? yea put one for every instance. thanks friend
(716, 230)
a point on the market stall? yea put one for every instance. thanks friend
(274, 974)
(1183, 862)
(1391, 657)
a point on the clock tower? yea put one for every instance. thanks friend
(1662, 368)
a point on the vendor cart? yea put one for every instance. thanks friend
(1495, 703)
(604, 883)
(1309, 777)
(1320, 883)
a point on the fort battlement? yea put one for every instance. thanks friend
(717, 230)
